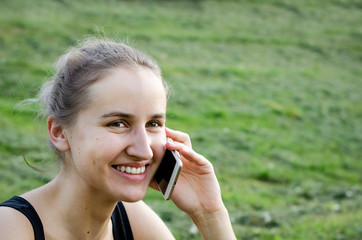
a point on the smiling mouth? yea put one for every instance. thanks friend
(130, 170)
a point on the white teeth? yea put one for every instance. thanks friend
(131, 170)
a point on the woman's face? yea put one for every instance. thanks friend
(118, 141)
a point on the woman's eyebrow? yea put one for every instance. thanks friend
(118, 114)
(159, 115)
(130, 116)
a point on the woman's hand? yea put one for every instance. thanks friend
(197, 190)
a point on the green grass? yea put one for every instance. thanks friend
(270, 92)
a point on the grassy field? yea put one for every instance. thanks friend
(269, 90)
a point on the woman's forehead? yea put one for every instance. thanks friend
(130, 77)
(127, 90)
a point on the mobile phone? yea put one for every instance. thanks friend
(167, 173)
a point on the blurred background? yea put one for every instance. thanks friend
(269, 91)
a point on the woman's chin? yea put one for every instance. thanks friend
(132, 194)
(133, 197)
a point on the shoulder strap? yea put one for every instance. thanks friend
(121, 226)
(23, 206)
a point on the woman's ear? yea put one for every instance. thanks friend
(57, 135)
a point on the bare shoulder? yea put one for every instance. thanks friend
(145, 223)
(14, 225)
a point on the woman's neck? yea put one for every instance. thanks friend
(70, 209)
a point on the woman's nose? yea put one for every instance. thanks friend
(140, 145)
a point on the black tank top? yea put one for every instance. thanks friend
(121, 226)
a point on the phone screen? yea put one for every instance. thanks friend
(164, 172)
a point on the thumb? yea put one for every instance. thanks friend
(153, 185)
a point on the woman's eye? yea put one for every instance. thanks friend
(117, 124)
(154, 124)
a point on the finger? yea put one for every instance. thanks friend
(153, 185)
(187, 153)
(178, 136)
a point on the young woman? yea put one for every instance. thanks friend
(106, 115)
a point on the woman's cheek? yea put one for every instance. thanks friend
(107, 148)
(159, 150)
